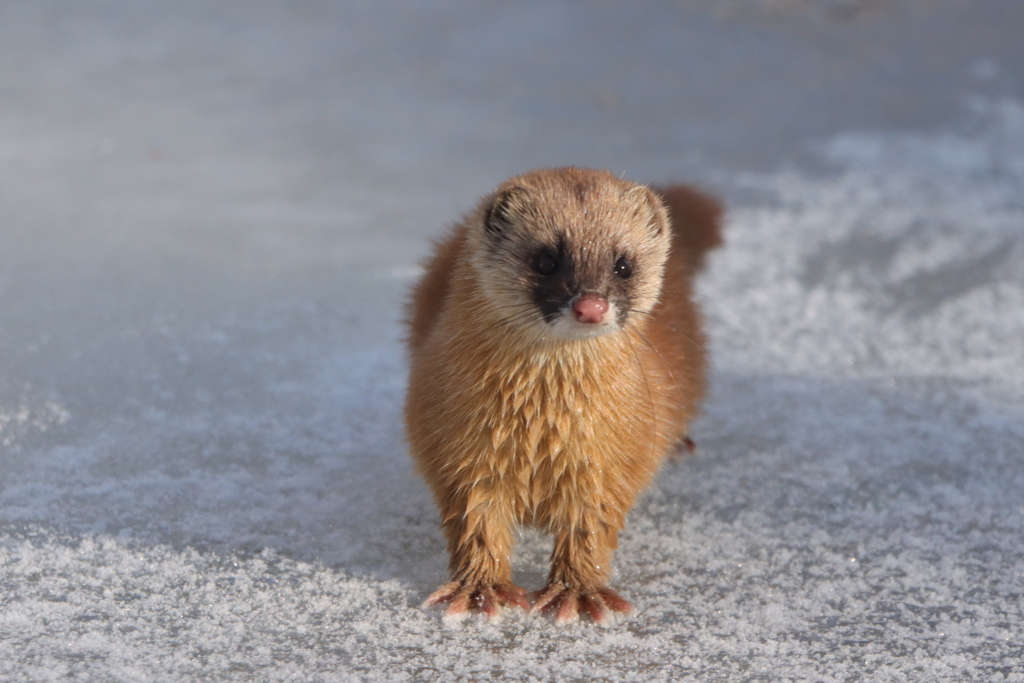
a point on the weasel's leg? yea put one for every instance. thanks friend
(480, 545)
(580, 567)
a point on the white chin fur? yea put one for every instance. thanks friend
(566, 326)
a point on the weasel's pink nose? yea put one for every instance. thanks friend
(590, 308)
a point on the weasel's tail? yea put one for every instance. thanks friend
(696, 222)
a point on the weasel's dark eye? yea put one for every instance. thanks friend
(622, 268)
(545, 264)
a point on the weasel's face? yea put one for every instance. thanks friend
(571, 253)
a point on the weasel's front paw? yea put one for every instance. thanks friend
(567, 603)
(464, 598)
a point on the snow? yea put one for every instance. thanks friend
(211, 214)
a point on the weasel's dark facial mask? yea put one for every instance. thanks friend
(573, 262)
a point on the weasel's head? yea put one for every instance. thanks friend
(570, 253)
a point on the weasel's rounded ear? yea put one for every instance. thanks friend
(649, 207)
(501, 213)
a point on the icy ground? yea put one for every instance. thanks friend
(209, 215)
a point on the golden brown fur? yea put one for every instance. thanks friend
(511, 425)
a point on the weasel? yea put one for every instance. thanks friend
(557, 358)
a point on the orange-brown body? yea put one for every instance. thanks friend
(513, 427)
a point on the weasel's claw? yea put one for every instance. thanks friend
(685, 446)
(465, 598)
(567, 604)
(442, 595)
